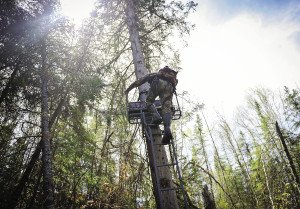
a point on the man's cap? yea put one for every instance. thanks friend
(168, 68)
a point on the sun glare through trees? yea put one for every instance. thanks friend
(77, 10)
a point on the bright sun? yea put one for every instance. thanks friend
(77, 10)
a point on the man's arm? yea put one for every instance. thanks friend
(140, 81)
(133, 85)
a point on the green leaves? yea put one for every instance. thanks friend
(88, 88)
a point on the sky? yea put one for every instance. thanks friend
(77, 9)
(238, 45)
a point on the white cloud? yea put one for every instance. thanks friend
(225, 59)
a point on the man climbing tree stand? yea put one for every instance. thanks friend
(162, 84)
(168, 199)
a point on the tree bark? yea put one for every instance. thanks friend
(169, 199)
(46, 146)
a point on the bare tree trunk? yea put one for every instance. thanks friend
(169, 198)
(46, 146)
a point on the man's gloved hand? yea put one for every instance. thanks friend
(129, 89)
(126, 91)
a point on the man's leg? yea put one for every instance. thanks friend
(167, 130)
(156, 118)
(166, 96)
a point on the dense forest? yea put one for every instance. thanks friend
(65, 141)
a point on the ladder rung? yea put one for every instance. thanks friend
(157, 134)
(160, 144)
(167, 164)
(169, 189)
(152, 124)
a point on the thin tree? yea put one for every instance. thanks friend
(229, 135)
(204, 152)
(46, 146)
(218, 159)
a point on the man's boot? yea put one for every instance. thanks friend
(156, 118)
(167, 131)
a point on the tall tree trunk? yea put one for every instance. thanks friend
(169, 198)
(46, 146)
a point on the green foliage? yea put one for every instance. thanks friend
(292, 108)
(99, 161)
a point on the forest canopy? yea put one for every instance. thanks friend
(65, 139)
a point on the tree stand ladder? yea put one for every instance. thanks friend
(138, 114)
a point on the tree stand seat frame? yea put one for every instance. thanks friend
(135, 110)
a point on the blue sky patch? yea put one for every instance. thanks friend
(269, 9)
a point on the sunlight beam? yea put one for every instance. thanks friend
(77, 10)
